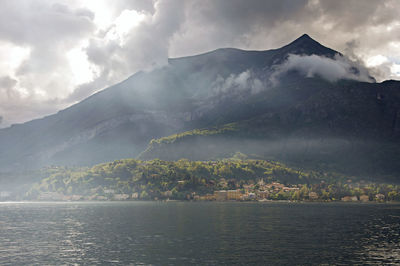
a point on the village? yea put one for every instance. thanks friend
(250, 192)
(254, 191)
(277, 191)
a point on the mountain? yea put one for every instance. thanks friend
(227, 101)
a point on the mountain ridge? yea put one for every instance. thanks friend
(303, 38)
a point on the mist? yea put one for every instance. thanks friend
(245, 81)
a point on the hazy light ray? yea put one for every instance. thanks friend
(11, 56)
(80, 66)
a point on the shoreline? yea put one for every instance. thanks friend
(202, 201)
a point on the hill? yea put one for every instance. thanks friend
(193, 180)
(350, 127)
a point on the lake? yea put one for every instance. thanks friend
(205, 233)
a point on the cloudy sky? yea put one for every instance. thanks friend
(54, 53)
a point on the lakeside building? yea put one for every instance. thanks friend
(288, 189)
(101, 198)
(51, 196)
(364, 198)
(208, 197)
(262, 194)
(233, 195)
(121, 196)
(221, 195)
(350, 199)
(76, 197)
(313, 196)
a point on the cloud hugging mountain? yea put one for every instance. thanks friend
(331, 69)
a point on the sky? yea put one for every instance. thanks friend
(54, 53)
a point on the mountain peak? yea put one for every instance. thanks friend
(305, 36)
(305, 39)
(307, 45)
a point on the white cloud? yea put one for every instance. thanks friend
(60, 52)
(243, 82)
(35, 38)
(326, 68)
(82, 71)
(395, 68)
(376, 60)
(11, 56)
(125, 23)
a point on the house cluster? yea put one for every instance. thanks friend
(250, 191)
(363, 198)
(259, 191)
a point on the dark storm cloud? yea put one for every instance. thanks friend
(358, 14)
(263, 24)
(242, 16)
(40, 22)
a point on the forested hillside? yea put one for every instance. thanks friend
(183, 179)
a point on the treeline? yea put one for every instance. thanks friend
(349, 191)
(176, 180)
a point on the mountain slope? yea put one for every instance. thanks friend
(119, 121)
(211, 90)
(349, 127)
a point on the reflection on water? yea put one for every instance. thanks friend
(198, 233)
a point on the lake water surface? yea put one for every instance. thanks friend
(205, 233)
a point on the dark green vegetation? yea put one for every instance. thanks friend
(342, 127)
(350, 137)
(185, 179)
(211, 106)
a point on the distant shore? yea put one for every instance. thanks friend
(194, 201)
